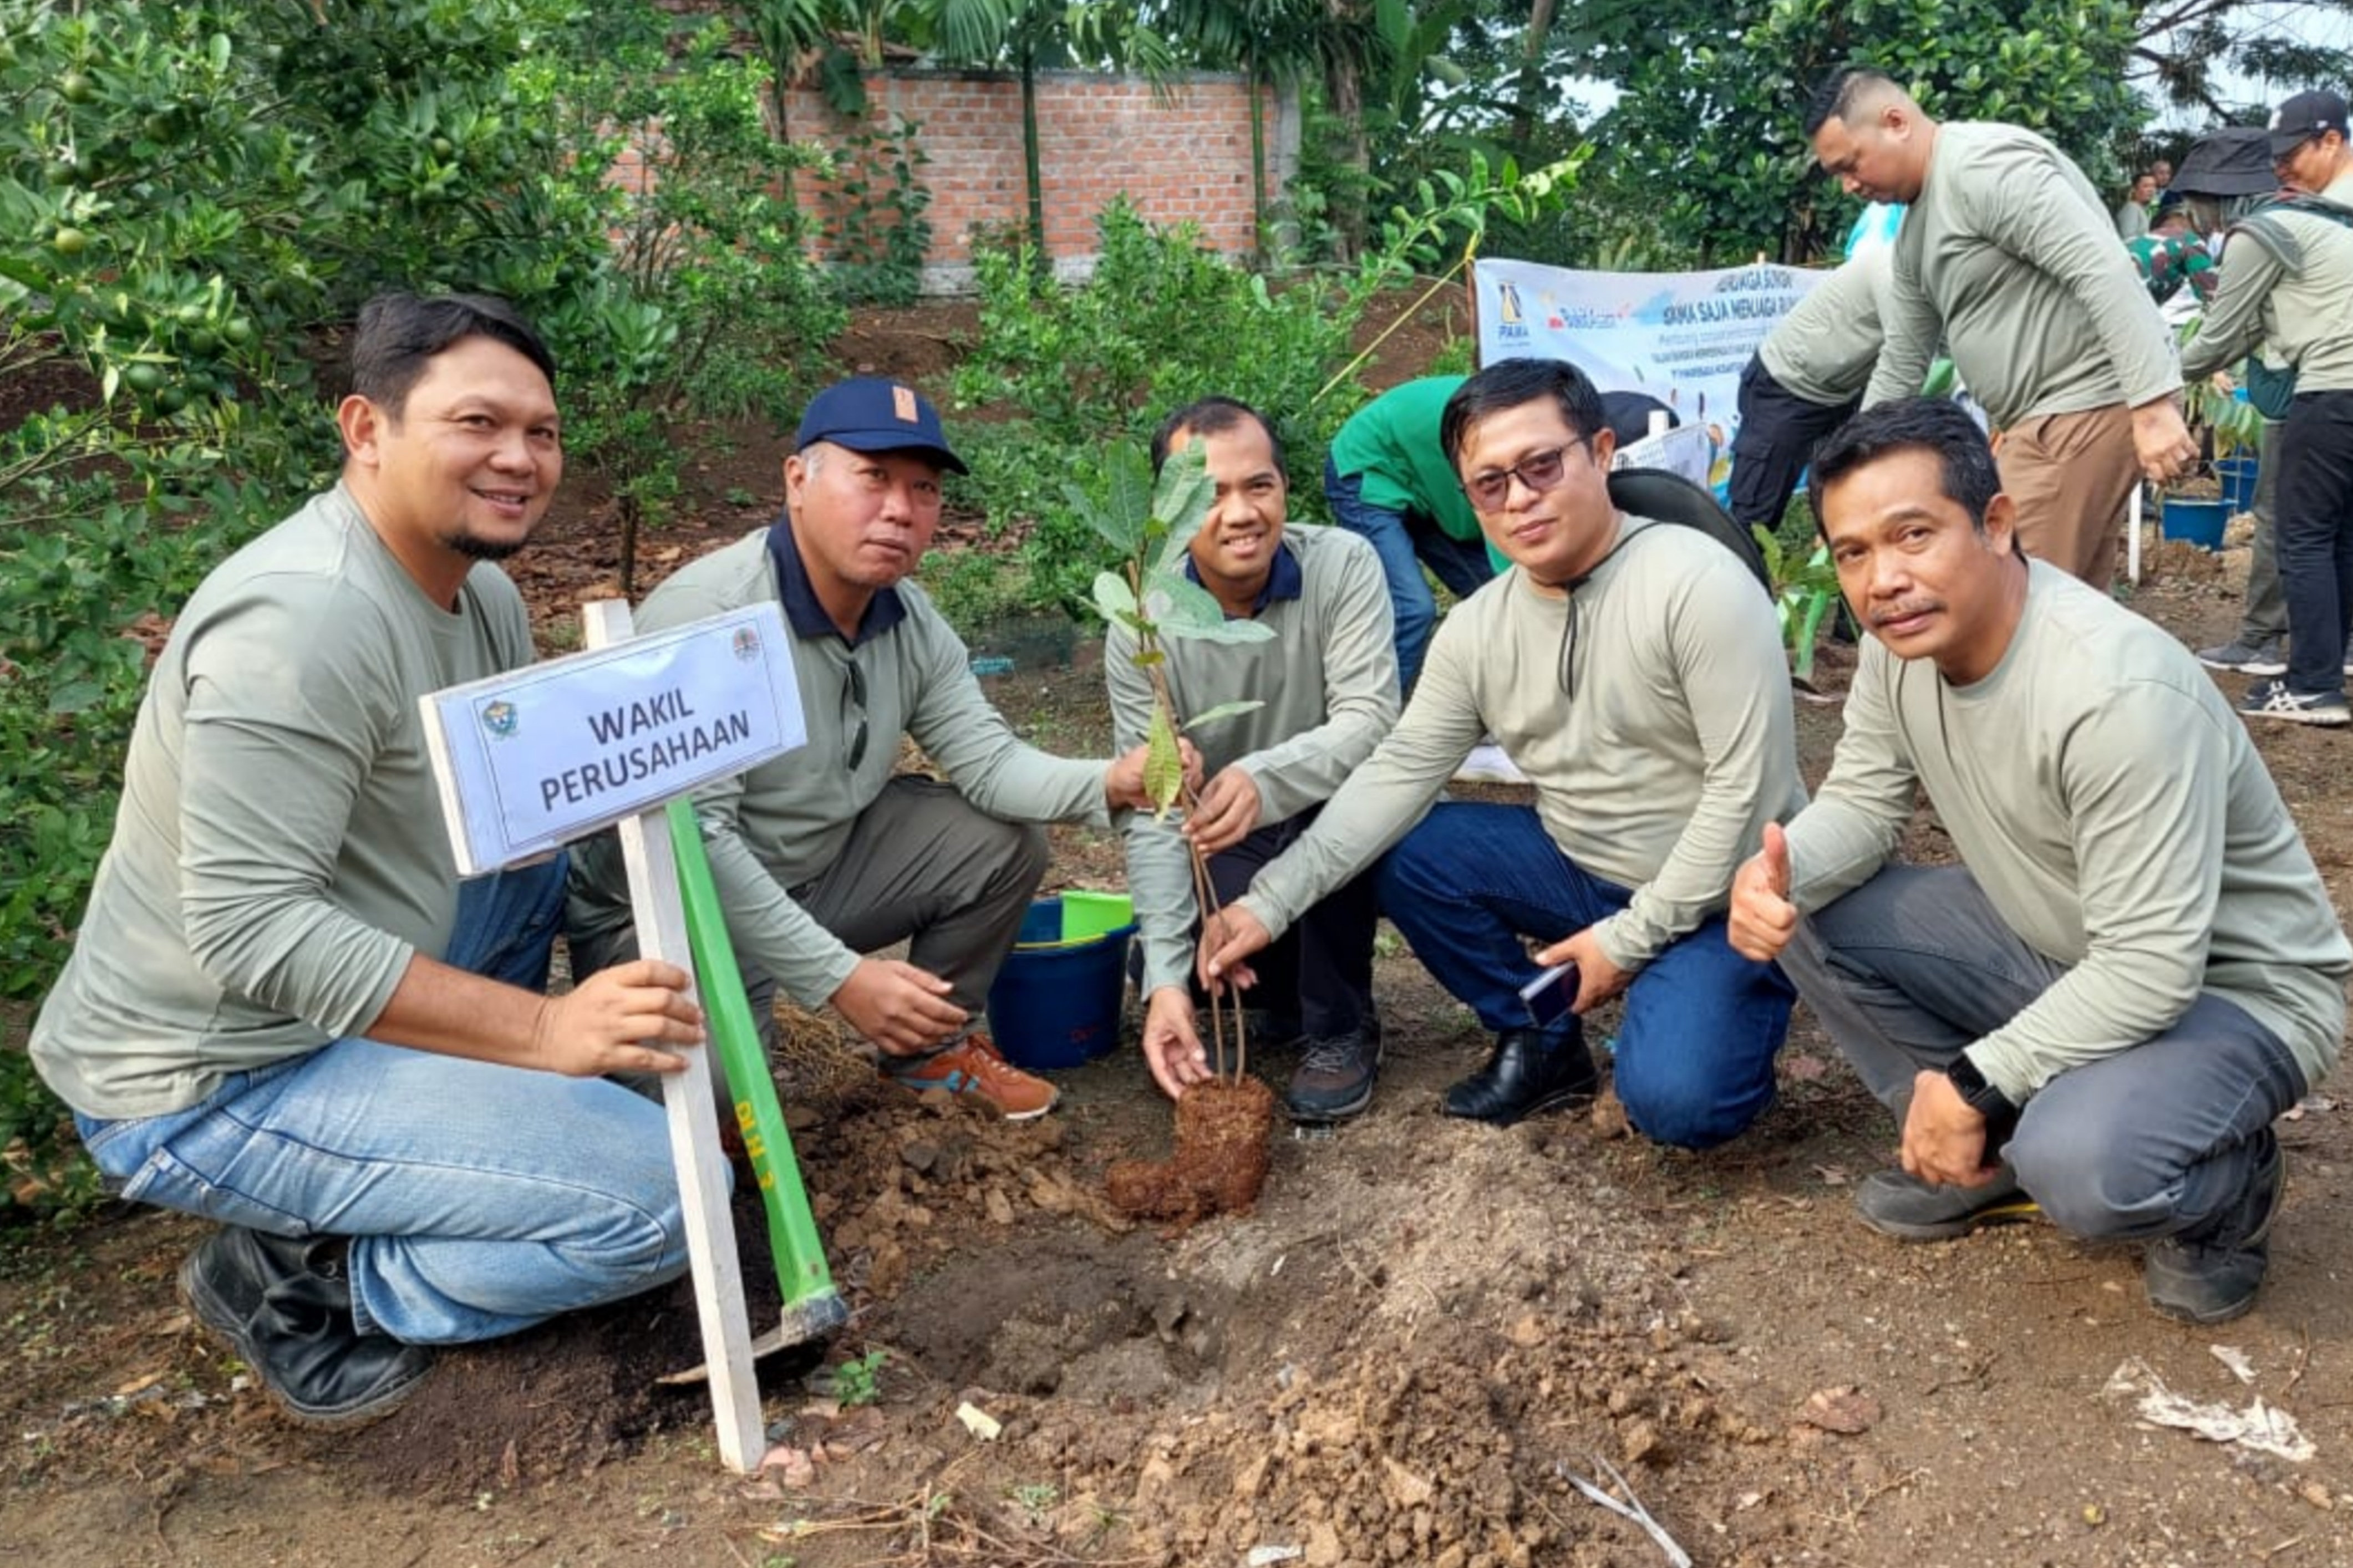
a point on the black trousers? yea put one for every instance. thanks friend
(1778, 434)
(1325, 960)
(2315, 519)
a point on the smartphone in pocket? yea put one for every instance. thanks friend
(1552, 995)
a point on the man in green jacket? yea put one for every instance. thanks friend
(827, 853)
(1388, 482)
(2134, 969)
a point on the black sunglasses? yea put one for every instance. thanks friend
(854, 690)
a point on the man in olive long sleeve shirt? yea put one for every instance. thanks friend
(827, 853)
(2287, 283)
(2007, 253)
(2136, 967)
(1634, 670)
(283, 1011)
(1325, 684)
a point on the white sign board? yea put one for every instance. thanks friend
(541, 755)
(1682, 450)
(1683, 337)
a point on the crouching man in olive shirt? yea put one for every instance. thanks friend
(283, 1011)
(2136, 967)
(1632, 669)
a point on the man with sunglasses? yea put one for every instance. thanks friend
(1634, 670)
(828, 853)
(2287, 283)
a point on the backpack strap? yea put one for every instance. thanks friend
(2262, 225)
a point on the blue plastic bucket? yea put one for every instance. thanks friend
(1056, 1004)
(2238, 477)
(2198, 523)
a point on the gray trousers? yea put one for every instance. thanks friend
(922, 866)
(2264, 619)
(2156, 1140)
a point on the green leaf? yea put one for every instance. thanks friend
(17, 270)
(1114, 598)
(1183, 608)
(1127, 507)
(1182, 501)
(1223, 711)
(1163, 764)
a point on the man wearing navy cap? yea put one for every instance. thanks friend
(2287, 273)
(827, 853)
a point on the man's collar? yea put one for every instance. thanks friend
(1285, 580)
(804, 613)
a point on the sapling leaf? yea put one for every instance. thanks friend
(1114, 598)
(1127, 504)
(1104, 523)
(1181, 501)
(1183, 608)
(1223, 711)
(1163, 764)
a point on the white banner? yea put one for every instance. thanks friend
(538, 756)
(1683, 337)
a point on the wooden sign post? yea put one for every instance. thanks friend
(539, 756)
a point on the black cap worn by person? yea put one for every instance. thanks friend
(874, 414)
(2304, 117)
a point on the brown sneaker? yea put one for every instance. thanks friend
(971, 1067)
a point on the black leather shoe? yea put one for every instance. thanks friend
(1523, 1077)
(285, 1306)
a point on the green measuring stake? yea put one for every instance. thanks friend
(813, 1309)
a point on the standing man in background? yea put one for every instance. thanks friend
(2007, 253)
(1803, 382)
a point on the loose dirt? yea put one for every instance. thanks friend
(1405, 1353)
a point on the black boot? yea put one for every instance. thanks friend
(1525, 1076)
(2211, 1275)
(285, 1306)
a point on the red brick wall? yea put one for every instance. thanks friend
(1186, 154)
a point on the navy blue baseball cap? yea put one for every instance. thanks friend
(2304, 117)
(875, 414)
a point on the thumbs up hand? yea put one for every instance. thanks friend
(1762, 918)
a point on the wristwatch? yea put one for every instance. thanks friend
(2000, 1115)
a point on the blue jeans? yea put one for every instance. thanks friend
(1695, 1059)
(1916, 965)
(1404, 541)
(479, 1199)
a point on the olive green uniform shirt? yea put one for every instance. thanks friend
(1658, 774)
(775, 826)
(1327, 684)
(2287, 284)
(2104, 795)
(1824, 349)
(2008, 256)
(281, 853)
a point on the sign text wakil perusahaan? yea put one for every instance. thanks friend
(541, 755)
